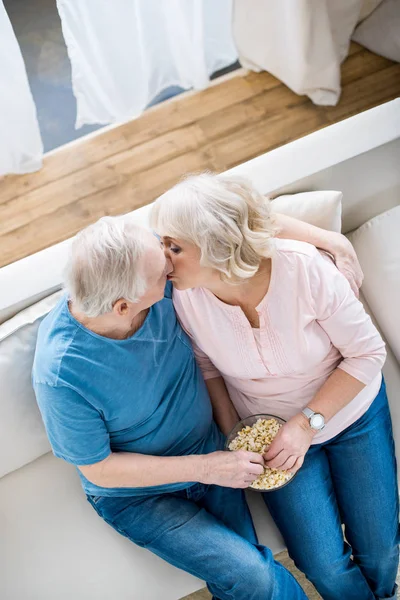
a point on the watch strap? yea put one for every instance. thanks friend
(308, 412)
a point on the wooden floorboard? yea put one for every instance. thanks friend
(125, 167)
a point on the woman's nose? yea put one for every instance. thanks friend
(167, 253)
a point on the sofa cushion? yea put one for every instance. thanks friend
(55, 547)
(322, 208)
(378, 249)
(22, 434)
(391, 373)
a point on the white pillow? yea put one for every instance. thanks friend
(22, 434)
(380, 32)
(378, 248)
(322, 208)
(368, 6)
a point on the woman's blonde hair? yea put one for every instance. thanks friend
(224, 216)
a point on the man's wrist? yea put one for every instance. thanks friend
(203, 468)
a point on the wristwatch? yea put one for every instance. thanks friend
(316, 420)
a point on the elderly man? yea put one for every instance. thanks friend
(122, 398)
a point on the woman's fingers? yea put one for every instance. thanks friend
(297, 465)
(351, 278)
(347, 262)
(273, 451)
(278, 460)
(289, 463)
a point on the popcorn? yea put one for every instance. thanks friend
(258, 438)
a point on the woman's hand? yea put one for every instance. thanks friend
(346, 260)
(335, 243)
(236, 469)
(290, 445)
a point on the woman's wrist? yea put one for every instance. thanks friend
(303, 422)
(345, 258)
(337, 244)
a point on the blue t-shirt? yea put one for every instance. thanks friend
(143, 394)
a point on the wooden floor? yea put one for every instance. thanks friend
(128, 166)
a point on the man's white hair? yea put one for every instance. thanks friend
(105, 265)
(224, 216)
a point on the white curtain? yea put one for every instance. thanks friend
(125, 52)
(301, 42)
(21, 148)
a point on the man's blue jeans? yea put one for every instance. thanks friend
(207, 531)
(350, 479)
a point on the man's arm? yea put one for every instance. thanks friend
(127, 469)
(335, 243)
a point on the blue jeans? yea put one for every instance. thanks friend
(207, 531)
(350, 479)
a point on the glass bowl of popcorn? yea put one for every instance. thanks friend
(255, 434)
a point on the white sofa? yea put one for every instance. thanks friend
(53, 545)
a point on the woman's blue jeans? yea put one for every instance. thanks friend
(350, 480)
(207, 531)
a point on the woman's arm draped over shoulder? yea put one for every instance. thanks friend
(335, 243)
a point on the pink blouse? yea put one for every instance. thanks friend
(310, 324)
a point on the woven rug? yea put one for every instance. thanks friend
(283, 558)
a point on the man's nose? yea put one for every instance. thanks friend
(168, 267)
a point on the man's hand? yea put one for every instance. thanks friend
(290, 445)
(346, 260)
(236, 469)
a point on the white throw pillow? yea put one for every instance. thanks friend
(380, 32)
(378, 249)
(368, 6)
(322, 208)
(22, 434)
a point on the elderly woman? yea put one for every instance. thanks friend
(277, 329)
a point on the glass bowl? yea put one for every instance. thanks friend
(250, 422)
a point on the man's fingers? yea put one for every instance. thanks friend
(256, 469)
(249, 480)
(254, 457)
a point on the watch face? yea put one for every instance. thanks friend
(317, 421)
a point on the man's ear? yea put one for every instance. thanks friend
(121, 307)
